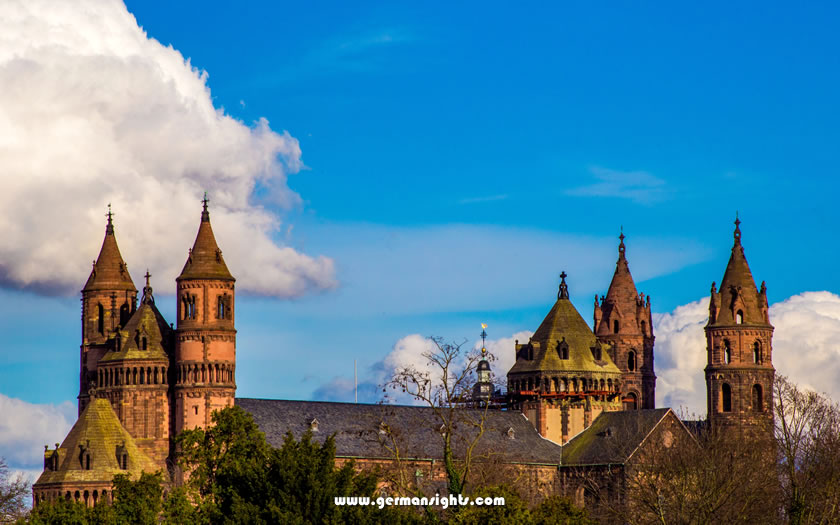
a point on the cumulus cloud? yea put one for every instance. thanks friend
(408, 352)
(25, 428)
(806, 348)
(92, 111)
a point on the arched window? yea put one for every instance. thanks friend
(644, 328)
(100, 322)
(756, 352)
(631, 361)
(727, 351)
(631, 401)
(726, 398)
(615, 326)
(739, 317)
(123, 314)
(757, 398)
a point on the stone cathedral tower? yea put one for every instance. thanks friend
(205, 341)
(623, 321)
(739, 373)
(108, 300)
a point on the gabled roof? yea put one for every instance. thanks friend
(99, 433)
(613, 437)
(359, 430)
(109, 271)
(564, 323)
(205, 260)
(146, 322)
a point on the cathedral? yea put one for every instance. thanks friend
(581, 389)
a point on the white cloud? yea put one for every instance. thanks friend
(680, 357)
(94, 111)
(26, 427)
(806, 348)
(638, 186)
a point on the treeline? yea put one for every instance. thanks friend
(237, 477)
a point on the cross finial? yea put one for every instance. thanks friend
(737, 229)
(109, 228)
(205, 215)
(147, 277)
(563, 293)
(148, 298)
(621, 247)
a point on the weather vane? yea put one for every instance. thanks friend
(483, 338)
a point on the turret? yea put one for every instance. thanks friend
(739, 373)
(205, 347)
(623, 320)
(109, 298)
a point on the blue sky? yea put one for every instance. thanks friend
(458, 156)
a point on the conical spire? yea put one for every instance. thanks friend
(205, 258)
(622, 291)
(737, 288)
(109, 270)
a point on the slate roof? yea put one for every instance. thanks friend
(357, 428)
(564, 322)
(100, 433)
(612, 437)
(205, 260)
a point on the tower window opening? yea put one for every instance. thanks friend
(615, 326)
(644, 328)
(756, 353)
(630, 402)
(757, 398)
(739, 317)
(144, 343)
(631, 361)
(726, 397)
(123, 314)
(100, 321)
(727, 352)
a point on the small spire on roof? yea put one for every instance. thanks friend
(621, 247)
(205, 215)
(148, 298)
(563, 293)
(737, 230)
(109, 228)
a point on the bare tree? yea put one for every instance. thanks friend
(14, 492)
(808, 437)
(446, 387)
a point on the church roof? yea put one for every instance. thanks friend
(564, 325)
(98, 433)
(360, 430)
(146, 322)
(109, 270)
(738, 283)
(205, 260)
(622, 295)
(613, 437)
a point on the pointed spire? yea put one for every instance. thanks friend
(109, 228)
(205, 215)
(563, 292)
(737, 288)
(621, 248)
(109, 270)
(205, 259)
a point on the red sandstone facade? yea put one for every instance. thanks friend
(157, 380)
